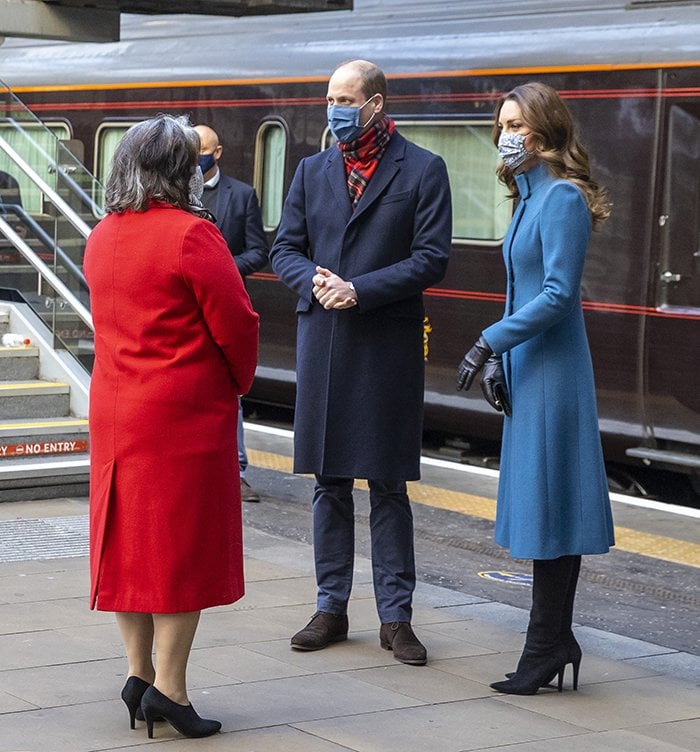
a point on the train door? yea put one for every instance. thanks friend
(673, 323)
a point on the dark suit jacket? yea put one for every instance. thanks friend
(360, 371)
(237, 213)
(9, 190)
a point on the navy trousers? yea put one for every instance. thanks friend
(391, 530)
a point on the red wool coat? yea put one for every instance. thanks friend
(175, 343)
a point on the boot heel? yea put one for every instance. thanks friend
(560, 678)
(575, 665)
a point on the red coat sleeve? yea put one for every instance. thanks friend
(208, 268)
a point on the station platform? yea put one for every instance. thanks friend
(62, 666)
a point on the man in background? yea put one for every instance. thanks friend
(237, 213)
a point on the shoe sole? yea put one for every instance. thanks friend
(339, 638)
(409, 662)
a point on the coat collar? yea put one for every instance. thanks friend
(389, 165)
(529, 181)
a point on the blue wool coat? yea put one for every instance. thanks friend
(552, 494)
(360, 371)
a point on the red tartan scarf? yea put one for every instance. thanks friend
(362, 156)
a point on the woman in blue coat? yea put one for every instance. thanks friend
(553, 503)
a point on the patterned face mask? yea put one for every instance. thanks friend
(511, 149)
(196, 186)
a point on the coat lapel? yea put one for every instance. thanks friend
(335, 173)
(524, 189)
(388, 166)
(222, 199)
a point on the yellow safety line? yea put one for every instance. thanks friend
(44, 424)
(30, 385)
(626, 539)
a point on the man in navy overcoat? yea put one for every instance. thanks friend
(366, 228)
(237, 213)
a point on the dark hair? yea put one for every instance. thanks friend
(558, 145)
(154, 161)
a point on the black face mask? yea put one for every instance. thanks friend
(206, 162)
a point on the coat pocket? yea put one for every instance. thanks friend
(391, 198)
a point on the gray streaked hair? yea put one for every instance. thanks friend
(154, 161)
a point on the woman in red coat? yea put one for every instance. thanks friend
(175, 344)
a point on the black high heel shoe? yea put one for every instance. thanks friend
(535, 671)
(132, 693)
(183, 718)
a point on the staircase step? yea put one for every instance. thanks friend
(33, 399)
(25, 387)
(44, 478)
(34, 438)
(33, 426)
(19, 363)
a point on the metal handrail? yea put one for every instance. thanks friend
(54, 165)
(46, 272)
(82, 227)
(45, 239)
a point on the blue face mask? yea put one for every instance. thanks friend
(511, 149)
(206, 162)
(344, 121)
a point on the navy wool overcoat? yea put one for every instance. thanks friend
(360, 371)
(552, 494)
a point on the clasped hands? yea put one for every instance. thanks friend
(333, 291)
(493, 380)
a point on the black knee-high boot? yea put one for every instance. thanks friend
(545, 655)
(566, 634)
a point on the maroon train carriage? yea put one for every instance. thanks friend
(629, 71)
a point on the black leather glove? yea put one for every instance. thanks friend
(493, 385)
(472, 363)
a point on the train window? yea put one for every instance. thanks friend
(270, 157)
(107, 138)
(480, 210)
(36, 144)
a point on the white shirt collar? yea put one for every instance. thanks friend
(214, 181)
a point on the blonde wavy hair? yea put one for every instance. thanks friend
(558, 145)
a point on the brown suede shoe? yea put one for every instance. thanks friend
(248, 493)
(321, 631)
(399, 637)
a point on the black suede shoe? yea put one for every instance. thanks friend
(399, 637)
(321, 631)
